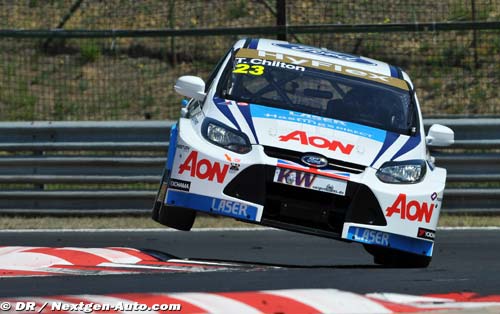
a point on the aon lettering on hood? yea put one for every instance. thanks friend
(317, 141)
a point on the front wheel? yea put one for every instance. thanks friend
(171, 216)
(394, 258)
(179, 218)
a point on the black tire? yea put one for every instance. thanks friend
(179, 218)
(394, 258)
(160, 196)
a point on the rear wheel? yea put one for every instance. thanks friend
(394, 258)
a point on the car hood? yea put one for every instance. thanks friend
(307, 133)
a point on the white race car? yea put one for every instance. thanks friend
(309, 140)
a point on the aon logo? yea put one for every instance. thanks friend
(203, 169)
(412, 210)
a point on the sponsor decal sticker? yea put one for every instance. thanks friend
(230, 208)
(318, 121)
(317, 141)
(412, 210)
(426, 234)
(231, 159)
(322, 172)
(392, 240)
(309, 180)
(179, 185)
(325, 52)
(434, 196)
(255, 66)
(369, 236)
(183, 147)
(299, 62)
(203, 169)
(234, 166)
(212, 205)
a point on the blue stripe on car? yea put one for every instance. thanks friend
(390, 138)
(329, 123)
(394, 71)
(410, 144)
(394, 241)
(224, 108)
(172, 147)
(253, 44)
(211, 205)
(245, 111)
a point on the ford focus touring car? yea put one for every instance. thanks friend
(309, 140)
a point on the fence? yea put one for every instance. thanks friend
(112, 60)
(115, 167)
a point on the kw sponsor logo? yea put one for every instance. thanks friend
(370, 236)
(203, 169)
(412, 210)
(321, 65)
(179, 185)
(229, 208)
(426, 234)
(298, 178)
(317, 141)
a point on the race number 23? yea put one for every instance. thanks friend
(243, 68)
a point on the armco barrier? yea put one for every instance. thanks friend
(95, 167)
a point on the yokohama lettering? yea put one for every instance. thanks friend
(317, 141)
(412, 210)
(203, 169)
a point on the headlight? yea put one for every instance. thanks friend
(410, 171)
(223, 136)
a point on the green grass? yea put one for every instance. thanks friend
(132, 78)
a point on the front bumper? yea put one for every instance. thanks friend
(210, 179)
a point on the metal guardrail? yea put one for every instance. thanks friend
(87, 154)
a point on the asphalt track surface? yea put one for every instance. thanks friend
(464, 261)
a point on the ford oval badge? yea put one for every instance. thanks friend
(315, 161)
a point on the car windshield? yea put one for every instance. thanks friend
(319, 92)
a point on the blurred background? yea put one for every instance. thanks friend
(119, 59)
(76, 67)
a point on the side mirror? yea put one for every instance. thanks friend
(190, 86)
(440, 135)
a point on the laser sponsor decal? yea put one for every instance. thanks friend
(392, 240)
(283, 59)
(203, 169)
(369, 236)
(212, 205)
(179, 185)
(412, 210)
(326, 53)
(426, 234)
(230, 208)
(317, 141)
(309, 180)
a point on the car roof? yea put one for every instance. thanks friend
(321, 54)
